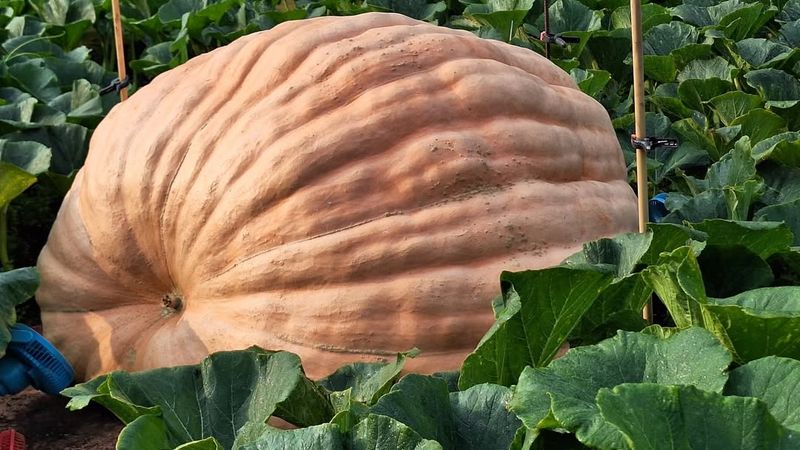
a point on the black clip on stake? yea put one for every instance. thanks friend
(649, 144)
(558, 39)
(115, 86)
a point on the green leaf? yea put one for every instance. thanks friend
(16, 286)
(319, 437)
(689, 130)
(663, 39)
(774, 380)
(760, 52)
(703, 69)
(732, 105)
(691, 52)
(32, 157)
(694, 93)
(783, 148)
(562, 395)
(572, 15)
(666, 98)
(762, 238)
(706, 205)
(13, 181)
(619, 307)
(368, 381)
(788, 213)
(226, 391)
(660, 68)
(684, 417)
(384, 433)
(746, 19)
(760, 322)
(68, 145)
(735, 168)
(790, 12)
(740, 198)
(591, 82)
(687, 155)
(33, 76)
(779, 88)
(679, 284)
(418, 9)
(790, 33)
(782, 183)
(666, 238)
(760, 124)
(146, 432)
(652, 15)
(482, 421)
(541, 309)
(618, 255)
(505, 16)
(423, 404)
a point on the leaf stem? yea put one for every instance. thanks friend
(4, 259)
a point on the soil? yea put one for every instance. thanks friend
(48, 425)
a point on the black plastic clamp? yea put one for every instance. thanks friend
(649, 144)
(558, 39)
(115, 86)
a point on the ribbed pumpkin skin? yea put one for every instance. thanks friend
(342, 188)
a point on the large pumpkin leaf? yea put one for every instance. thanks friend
(683, 417)
(776, 86)
(762, 238)
(774, 380)
(213, 399)
(375, 432)
(320, 437)
(32, 157)
(505, 16)
(540, 309)
(384, 433)
(679, 284)
(148, 432)
(16, 286)
(562, 395)
(476, 418)
(618, 255)
(788, 213)
(760, 322)
(68, 144)
(13, 181)
(367, 381)
(783, 148)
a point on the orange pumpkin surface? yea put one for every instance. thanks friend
(342, 187)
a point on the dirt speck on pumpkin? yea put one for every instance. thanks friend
(47, 424)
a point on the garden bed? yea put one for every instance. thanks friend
(48, 425)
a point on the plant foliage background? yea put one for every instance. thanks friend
(722, 76)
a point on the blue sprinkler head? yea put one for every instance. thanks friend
(31, 360)
(657, 207)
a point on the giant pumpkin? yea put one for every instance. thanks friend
(342, 188)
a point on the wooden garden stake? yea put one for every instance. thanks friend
(641, 129)
(120, 50)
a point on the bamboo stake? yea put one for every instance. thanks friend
(119, 45)
(641, 128)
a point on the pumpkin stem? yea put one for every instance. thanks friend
(172, 303)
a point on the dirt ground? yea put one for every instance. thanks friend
(48, 425)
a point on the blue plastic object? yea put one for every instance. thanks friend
(657, 207)
(31, 360)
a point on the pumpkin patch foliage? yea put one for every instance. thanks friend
(729, 365)
(722, 369)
